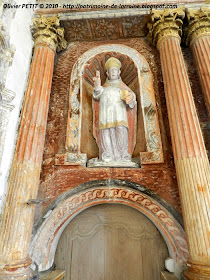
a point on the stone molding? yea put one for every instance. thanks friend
(67, 207)
(104, 28)
(47, 30)
(165, 23)
(198, 25)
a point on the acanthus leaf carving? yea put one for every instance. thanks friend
(47, 30)
(198, 24)
(165, 23)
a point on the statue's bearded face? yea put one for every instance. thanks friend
(113, 73)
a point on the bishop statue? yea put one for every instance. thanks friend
(114, 106)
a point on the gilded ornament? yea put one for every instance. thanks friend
(198, 25)
(165, 23)
(47, 30)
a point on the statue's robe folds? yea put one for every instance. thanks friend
(110, 111)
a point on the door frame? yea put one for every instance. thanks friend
(58, 215)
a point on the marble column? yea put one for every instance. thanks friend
(197, 36)
(18, 215)
(191, 162)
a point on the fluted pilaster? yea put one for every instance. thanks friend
(197, 36)
(192, 166)
(18, 216)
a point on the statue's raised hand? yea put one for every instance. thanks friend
(97, 80)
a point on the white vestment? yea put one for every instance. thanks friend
(112, 110)
(113, 123)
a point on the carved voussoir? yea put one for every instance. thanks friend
(47, 30)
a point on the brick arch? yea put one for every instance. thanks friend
(73, 202)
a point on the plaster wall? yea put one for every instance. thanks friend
(17, 25)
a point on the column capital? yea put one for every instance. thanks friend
(198, 24)
(47, 30)
(165, 23)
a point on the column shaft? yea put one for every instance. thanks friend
(201, 52)
(17, 219)
(190, 156)
(197, 36)
(18, 215)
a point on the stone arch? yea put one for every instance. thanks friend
(153, 152)
(71, 203)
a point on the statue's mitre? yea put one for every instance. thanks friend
(113, 62)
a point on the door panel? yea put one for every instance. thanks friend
(121, 256)
(88, 257)
(111, 242)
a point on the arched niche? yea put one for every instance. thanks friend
(137, 75)
(129, 75)
(71, 203)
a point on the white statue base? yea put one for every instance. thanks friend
(95, 162)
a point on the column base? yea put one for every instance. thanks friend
(22, 274)
(197, 272)
(16, 270)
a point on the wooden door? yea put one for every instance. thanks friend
(111, 242)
